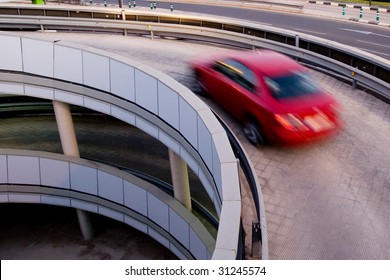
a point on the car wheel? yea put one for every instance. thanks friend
(253, 133)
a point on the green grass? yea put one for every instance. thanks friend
(361, 2)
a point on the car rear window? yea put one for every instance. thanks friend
(292, 85)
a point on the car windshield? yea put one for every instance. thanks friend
(292, 85)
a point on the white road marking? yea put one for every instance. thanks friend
(375, 44)
(357, 31)
(364, 32)
(380, 35)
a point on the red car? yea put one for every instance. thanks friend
(272, 95)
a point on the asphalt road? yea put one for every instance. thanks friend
(368, 37)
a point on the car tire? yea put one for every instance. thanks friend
(253, 133)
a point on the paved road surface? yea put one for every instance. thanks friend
(325, 21)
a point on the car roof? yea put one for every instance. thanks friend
(268, 62)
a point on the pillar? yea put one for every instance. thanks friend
(70, 148)
(180, 181)
(66, 129)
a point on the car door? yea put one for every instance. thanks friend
(238, 92)
(236, 88)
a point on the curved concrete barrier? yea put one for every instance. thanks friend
(137, 95)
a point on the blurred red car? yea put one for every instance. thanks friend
(272, 95)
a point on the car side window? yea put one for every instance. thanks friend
(238, 73)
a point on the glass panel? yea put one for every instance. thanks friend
(295, 84)
(237, 72)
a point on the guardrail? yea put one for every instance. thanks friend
(358, 67)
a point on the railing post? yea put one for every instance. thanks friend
(354, 81)
(124, 18)
(256, 240)
(151, 32)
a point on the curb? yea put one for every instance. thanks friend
(370, 22)
(382, 10)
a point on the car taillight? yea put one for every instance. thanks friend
(291, 122)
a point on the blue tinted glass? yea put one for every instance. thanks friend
(295, 84)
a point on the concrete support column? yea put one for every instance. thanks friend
(66, 129)
(70, 148)
(180, 181)
(85, 224)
